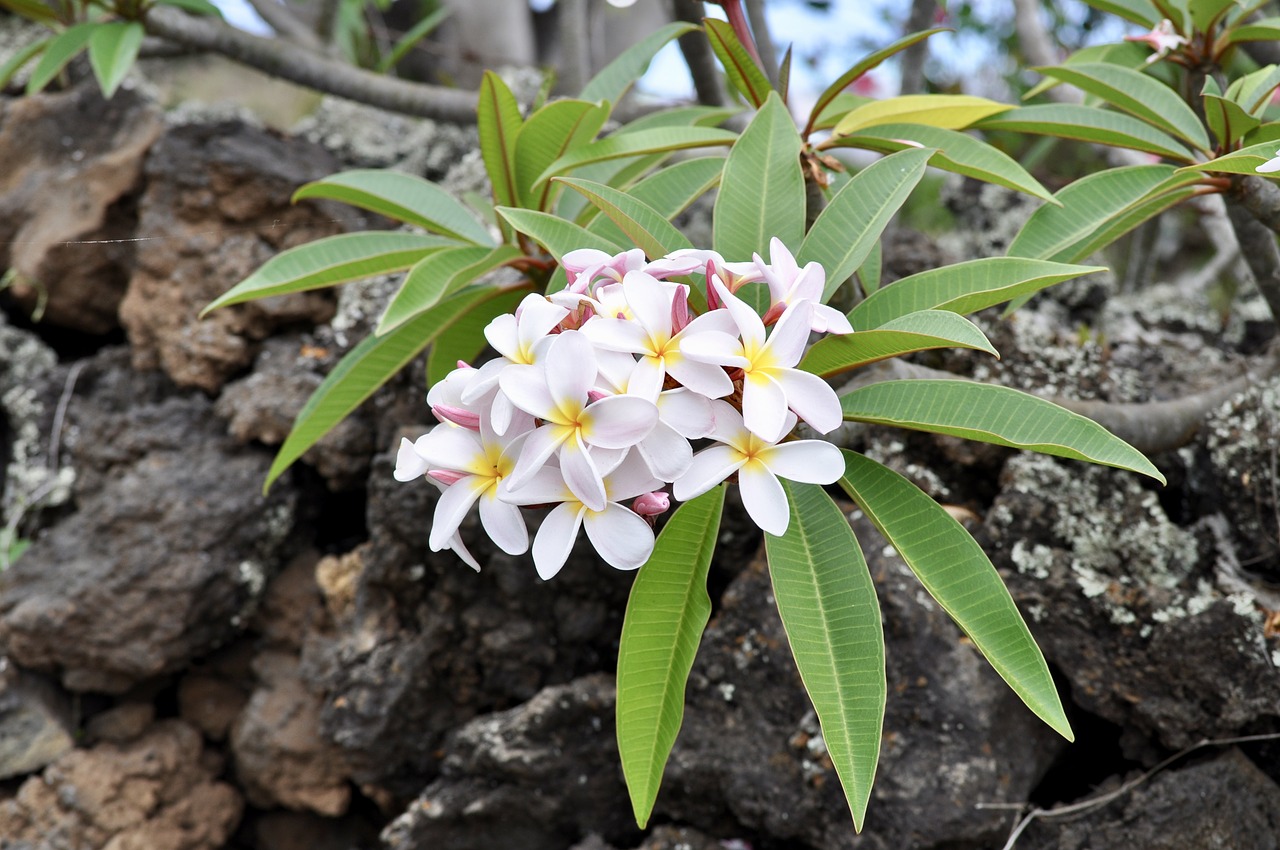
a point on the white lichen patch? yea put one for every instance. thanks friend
(1034, 559)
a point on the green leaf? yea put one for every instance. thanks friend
(437, 276)
(365, 368)
(57, 53)
(32, 10)
(642, 224)
(669, 191)
(962, 288)
(1206, 14)
(959, 576)
(403, 197)
(739, 65)
(416, 33)
(498, 122)
(1253, 91)
(659, 140)
(956, 152)
(850, 226)
(869, 271)
(1243, 161)
(861, 67)
(832, 619)
(917, 331)
(840, 106)
(555, 234)
(329, 261)
(113, 48)
(948, 111)
(1138, 11)
(993, 414)
(464, 338)
(1264, 29)
(762, 190)
(1136, 93)
(195, 7)
(666, 614)
(558, 127)
(615, 78)
(1088, 124)
(1107, 198)
(1227, 119)
(21, 57)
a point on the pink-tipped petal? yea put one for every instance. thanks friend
(618, 422)
(807, 461)
(812, 399)
(504, 524)
(449, 447)
(764, 407)
(623, 540)
(409, 464)
(554, 540)
(708, 468)
(764, 499)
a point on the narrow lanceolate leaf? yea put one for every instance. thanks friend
(850, 226)
(956, 152)
(1136, 93)
(615, 78)
(195, 7)
(1099, 208)
(365, 368)
(555, 128)
(498, 122)
(330, 261)
(992, 414)
(619, 145)
(914, 332)
(463, 340)
(642, 224)
(957, 573)
(1206, 14)
(1140, 12)
(417, 33)
(439, 275)
(33, 10)
(739, 66)
(864, 65)
(403, 197)
(832, 619)
(762, 190)
(555, 234)
(113, 48)
(869, 271)
(20, 58)
(1264, 29)
(1253, 91)
(666, 614)
(1227, 119)
(57, 53)
(962, 288)
(1089, 124)
(1243, 161)
(668, 191)
(949, 111)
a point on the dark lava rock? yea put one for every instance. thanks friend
(35, 721)
(1223, 802)
(535, 777)
(169, 548)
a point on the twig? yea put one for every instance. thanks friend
(291, 62)
(60, 413)
(1103, 799)
(698, 55)
(287, 25)
(764, 40)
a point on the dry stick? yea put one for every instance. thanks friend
(698, 55)
(1103, 799)
(301, 66)
(1150, 427)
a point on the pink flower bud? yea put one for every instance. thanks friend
(462, 364)
(595, 395)
(680, 310)
(447, 477)
(651, 504)
(457, 415)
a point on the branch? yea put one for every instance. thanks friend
(764, 41)
(698, 55)
(1033, 39)
(285, 23)
(291, 62)
(914, 57)
(1257, 243)
(575, 46)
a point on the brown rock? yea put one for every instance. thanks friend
(72, 161)
(122, 723)
(151, 794)
(210, 704)
(339, 577)
(35, 725)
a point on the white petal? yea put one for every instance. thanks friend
(650, 303)
(485, 380)
(763, 497)
(538, 447)
(688, 412)
(713, 347)
(451, 447)
(503, 335)
(527, 389)
(544, 487)
(629, 478)
(454, 503)
(667, 454)
(791, 334)
(537, 317)
(554, 540)
(618, 421)
(811, 398)
(504, 524)
(570, 369)
(623, 540)
(830, 320)
(409, 464)
(617, 335)
(807, 461)
(750, 326)
(708, 468)
(1270, 165)
(460, 549)
(764, 407)
(705, 379)
(583, 258)
(647, 377)
(581, 475)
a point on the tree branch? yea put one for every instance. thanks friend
(291, 62)
(764, 40)
(285, 23)
(698, 55)
(914, 57)
(1258, 247)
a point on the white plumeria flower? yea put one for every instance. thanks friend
(585, 266)
(651, 335)
(471, 465)
(1270, 165)
(759, 464)
(623, 538)
(520, 339)
(770, 383)
(1162, 39)
(788, 283)
(558, 391)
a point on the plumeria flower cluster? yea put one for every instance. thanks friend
(600, 392)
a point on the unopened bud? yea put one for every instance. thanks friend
(457, 415)
(651, 504)
(447, 477)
